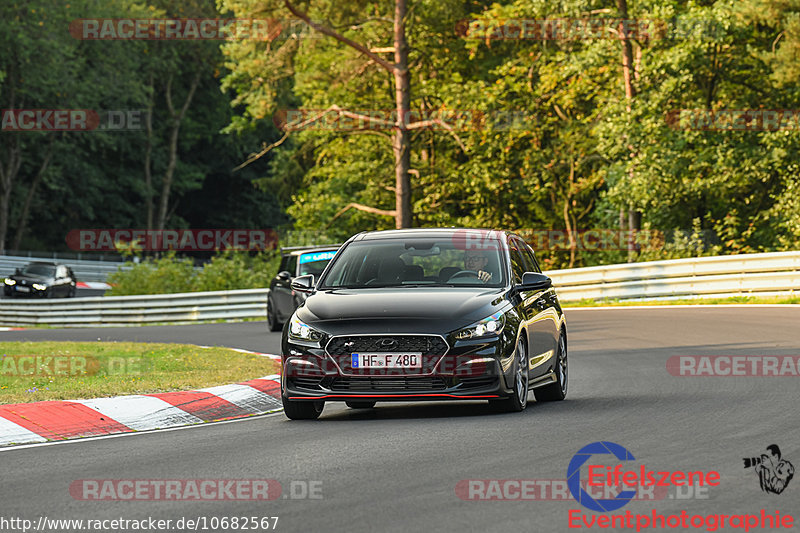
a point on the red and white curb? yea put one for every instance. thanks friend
(29, 423)
(92, 285)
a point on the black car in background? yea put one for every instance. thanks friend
(295, 261)
(425, 314)
(42, 280)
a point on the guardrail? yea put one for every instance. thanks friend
(84, 270)
(752, 274)
(130, 310)
(767, 274)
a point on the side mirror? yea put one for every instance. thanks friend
(284, 275)
(303, 283)
(534, 281)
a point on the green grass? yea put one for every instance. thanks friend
(79, 370)
(692, 301)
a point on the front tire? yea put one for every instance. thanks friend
(555, 392)
(302, 410)
(272, 318)
(519, 400)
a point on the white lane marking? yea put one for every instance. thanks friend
(11, 433)
(682, 306)
(245, 397)
(270, 355)
(273, 413)
(140, 412)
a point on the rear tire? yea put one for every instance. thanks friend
(272, 318)
(302, 410)
(360, 405)
(519, 400)
(555, 392)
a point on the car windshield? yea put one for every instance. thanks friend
(418, 262)
(315, 263)
(39, 270)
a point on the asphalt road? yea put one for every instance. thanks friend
(395, 468)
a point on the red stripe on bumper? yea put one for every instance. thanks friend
(356, 396)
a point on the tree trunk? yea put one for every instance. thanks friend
(630, 93)
(177, 118)
(148, 152)
(400, 141)
(8, 174)
(567, 224)
(26, 207)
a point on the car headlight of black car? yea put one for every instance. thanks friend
(491, 325)
(39, 286)
(299, 330)
(9, 281)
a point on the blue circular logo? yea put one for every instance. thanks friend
(574, 477)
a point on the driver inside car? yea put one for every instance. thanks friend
(477, 261)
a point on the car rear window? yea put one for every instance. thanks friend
(315, 262)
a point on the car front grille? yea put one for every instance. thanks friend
(425, 344)
(431, 348)
(394, 384)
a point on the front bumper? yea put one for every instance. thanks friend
(467, 370)
(14, 290)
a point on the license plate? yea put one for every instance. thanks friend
(23, 289)
(387, 360)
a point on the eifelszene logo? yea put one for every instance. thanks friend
(774, 473)
(617, 477)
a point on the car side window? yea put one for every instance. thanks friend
(517, 263)
(291, 265)
(530, 258)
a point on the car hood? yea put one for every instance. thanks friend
(31, 278)
(429, 303)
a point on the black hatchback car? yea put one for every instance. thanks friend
(425, 314)
(41, 279)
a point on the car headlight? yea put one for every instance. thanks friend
(39, 286)
(491, 325)
(9, 281)
(299, 330)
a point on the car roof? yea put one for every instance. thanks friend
(45, 263)
(411, 233)
(300, 250)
